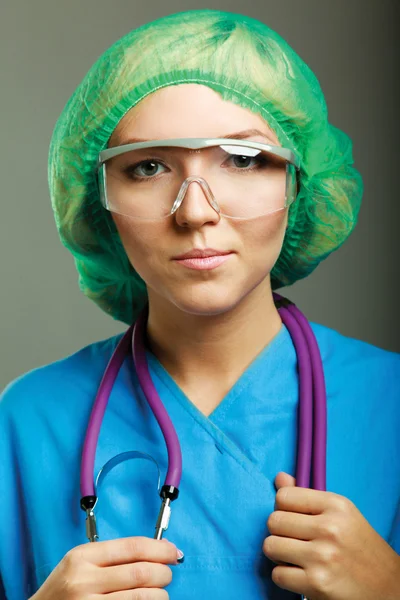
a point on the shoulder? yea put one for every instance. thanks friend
(357, 360)
(331, 341)
(71, 375)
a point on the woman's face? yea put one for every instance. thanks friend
(193, 110)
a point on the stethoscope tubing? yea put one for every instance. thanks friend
(174, 473)
(312, 421)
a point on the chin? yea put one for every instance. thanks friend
(207, 303)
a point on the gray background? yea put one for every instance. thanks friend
(46, 49)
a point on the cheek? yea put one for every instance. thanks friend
(139, 241)
(264, 236)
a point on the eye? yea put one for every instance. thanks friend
(143, 170)
(242, 162)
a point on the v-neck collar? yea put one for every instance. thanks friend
(245, 379)
(213, 425)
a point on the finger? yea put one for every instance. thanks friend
(293, 525)
(129, 549)
(304, 500)
(293, 579)
(284, 479)
(140, 594)
(132, 576)
(287, 550)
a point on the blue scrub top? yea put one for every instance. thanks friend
(230, 461)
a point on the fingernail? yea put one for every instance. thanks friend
(180, 556)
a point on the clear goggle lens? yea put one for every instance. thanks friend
(238, 182)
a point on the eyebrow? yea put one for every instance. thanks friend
(240, 135)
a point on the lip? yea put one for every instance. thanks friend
(206, 263)
(202, 253)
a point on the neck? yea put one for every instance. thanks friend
(216, 347)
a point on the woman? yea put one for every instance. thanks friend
(218, 352)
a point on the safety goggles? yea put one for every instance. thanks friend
(241, 179)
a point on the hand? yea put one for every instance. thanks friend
(326, 549)
(111, 567)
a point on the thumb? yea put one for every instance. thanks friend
(284, 479)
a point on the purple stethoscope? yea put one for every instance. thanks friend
(312, 417)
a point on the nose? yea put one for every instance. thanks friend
(196, 207)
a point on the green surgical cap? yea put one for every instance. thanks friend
(248, 64)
